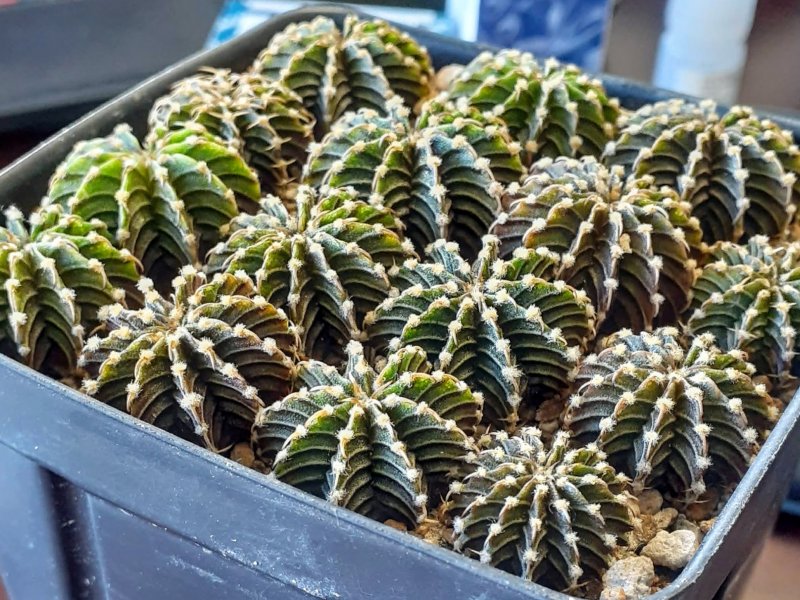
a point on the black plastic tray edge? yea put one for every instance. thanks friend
(777, 449)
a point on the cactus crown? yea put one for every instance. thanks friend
(668, 417)
(748, 297)
(554, 516)
(551, 109)
(200, 365)
(498, 326)
(630, 247)
(161, 201)
(326, 265)
(377, 443)
(364, 66)
(443, 179)
(736, 171)
(55, 273)
(266, 122)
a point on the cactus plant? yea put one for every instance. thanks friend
(267, 123)
(630, 247)
(737, 172)
(200, 365)
(162, 202)
(443, 179)
(379, 444)
(748, 297)
(551, 109)
(671, 418)
(56, 272)
(326, 265)
(363, 66)
(497, 326)
(551, 516)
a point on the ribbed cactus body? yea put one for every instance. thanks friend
(363, 66)
(162, 202)
(381, 444)
(199, 365)
(551, 516)
(551, 109)
(498, 326)
(443, 179)
(630, 247)
(56, 272)
(738, 173)
(326, 265)
(748, 297)
(673, 418)
(265, 122)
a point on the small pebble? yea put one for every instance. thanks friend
(683, 523)
(704, 507)
(628, 579)
(242, 453)
(396, 525)
(650, 502)
(445, 76)
(665, 517)
(671, 549)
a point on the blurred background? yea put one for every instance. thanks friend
(60, 58)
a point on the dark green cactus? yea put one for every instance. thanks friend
(748, 297)
(379, 444)
(498, 326)
(55, 273)
(162, 202)
(630, 247)
(444, 179)
(674, 419)
(554, 517)
(364, 66)
(267, 123)
(737, 172)
(200, 365)
(551, 109)
(326, 265)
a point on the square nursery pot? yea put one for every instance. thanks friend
(95, 504)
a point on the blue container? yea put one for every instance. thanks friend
(95, 504)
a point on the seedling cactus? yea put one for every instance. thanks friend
(630, 247)
(551, 109)
(738, 173)
(266, 122)
(163, 202)
(380, 444)
(363, 66)
(498, 326)
(326, 265)
(673, 418)
(56, 272)
(748, 298)
(552, 516)
(200, 365)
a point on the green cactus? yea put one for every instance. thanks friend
(738, 173)
(163, 202)
(551, 109)
(630, 247)
(554, 517)
(748, 297)
(267, 123)
(55, 273)
(364, 66)
(670, 418)
(498, 326)
(326, 265)
(380, 444)
(444, 179)
(200, 365)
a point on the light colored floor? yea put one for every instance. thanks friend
(776, 575)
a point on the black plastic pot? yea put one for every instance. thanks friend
(95, 504)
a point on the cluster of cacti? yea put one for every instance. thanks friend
(739, 173)
(629, 246)
(359, 309)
